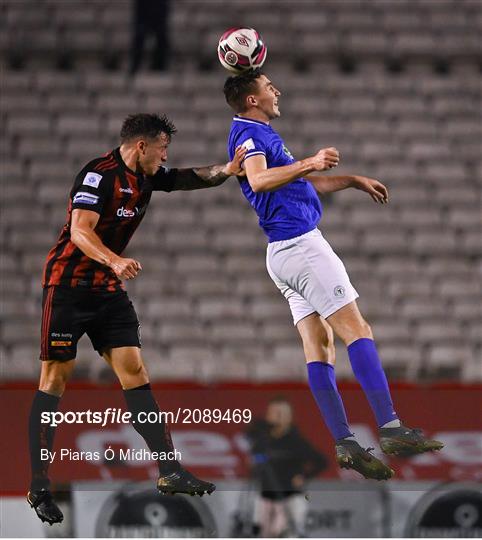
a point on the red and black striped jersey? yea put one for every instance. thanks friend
(120, 196)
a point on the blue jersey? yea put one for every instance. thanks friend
(291, 210)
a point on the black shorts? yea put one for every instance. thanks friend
(108, 318)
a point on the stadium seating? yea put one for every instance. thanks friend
(207, 306)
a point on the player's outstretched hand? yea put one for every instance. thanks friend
(125, 268)
(377, 191)
(325, 159)
(233, 168)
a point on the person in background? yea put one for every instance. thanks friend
(150, 18)
(283, 461)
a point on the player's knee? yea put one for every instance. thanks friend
(361, 330)
(365, 329)
(328, 352)
(318, 342)
(327, 348)
(136, 368)
(53, 380)
(327, 338)
(136, 371)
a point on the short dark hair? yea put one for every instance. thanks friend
(236, 89)
(280, 399)
(146, 125)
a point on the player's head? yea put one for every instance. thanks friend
(252, 91)
(279, 413)
(147, 136)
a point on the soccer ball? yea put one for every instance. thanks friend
(240, 49)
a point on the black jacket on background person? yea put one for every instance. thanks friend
(277, 460)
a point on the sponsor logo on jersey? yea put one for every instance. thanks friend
(92, 179)
(126, 213)
(126, 190)
(248, 144)
(85, 198)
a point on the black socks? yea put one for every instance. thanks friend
(41, 436)
(140, 399)
(156, 435)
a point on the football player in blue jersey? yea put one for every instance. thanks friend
(284, 194)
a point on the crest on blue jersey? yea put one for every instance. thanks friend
(287, 152)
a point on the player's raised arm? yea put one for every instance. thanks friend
(210, 176)
(263, 179)
(84, 237)
(329, 184)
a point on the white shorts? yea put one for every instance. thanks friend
(309, 275)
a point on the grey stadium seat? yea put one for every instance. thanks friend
(416, 262)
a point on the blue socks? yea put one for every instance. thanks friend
(322, 381)
(368, 370)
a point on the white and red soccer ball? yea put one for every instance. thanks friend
(240, 49)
